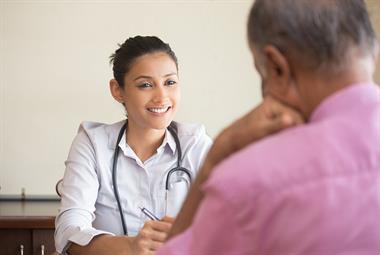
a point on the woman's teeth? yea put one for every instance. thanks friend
(158, 110)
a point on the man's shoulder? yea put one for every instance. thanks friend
(288, 147)
(309, 152)
(269, 163)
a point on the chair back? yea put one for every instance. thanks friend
(58, 187)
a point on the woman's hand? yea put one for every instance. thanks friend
(151, 237)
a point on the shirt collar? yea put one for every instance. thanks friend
(168, 141)
(114, 130)
(346, 99)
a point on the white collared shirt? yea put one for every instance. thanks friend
(88, 205)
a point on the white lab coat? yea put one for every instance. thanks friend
(88, 206)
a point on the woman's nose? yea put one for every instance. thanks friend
(160, 93)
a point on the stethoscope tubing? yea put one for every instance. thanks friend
(114, 180)
(178, 168)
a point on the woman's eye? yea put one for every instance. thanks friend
(171, 82)
(145, 85)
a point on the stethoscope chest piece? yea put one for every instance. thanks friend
(177, 174)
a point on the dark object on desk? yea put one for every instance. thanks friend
(27, 227)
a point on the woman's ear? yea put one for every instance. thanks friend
(116, 91)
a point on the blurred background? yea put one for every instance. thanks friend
(54, 73)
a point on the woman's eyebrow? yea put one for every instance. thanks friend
(170, 74)
(150, 77)
(143, 77)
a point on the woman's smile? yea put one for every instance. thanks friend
(159, 111)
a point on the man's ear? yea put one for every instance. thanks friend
(282, 85)
(278, 70)
(116, 91)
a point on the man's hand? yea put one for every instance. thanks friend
(269, 117)
(151, 236)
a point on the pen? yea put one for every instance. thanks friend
(149, 214)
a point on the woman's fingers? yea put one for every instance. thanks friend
(156, 230)
(161, 226)
(152, 236)
(168, 219)
(154, 245)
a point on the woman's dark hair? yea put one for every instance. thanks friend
(133, 48)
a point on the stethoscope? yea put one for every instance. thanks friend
(178, 168)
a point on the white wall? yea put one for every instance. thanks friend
(54, 73)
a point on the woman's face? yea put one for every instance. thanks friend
(151, 91)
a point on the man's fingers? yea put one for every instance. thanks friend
(290, 116)
(281, 122)
(296, 117)
(276, 124)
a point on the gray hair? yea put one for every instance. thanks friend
(320, 33)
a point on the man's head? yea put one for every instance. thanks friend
(298, 45)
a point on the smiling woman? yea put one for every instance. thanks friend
(146, 83)
(157, 155)
(150, 89)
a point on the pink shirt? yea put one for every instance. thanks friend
(313, 189)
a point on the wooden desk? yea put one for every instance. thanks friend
(27, 227)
